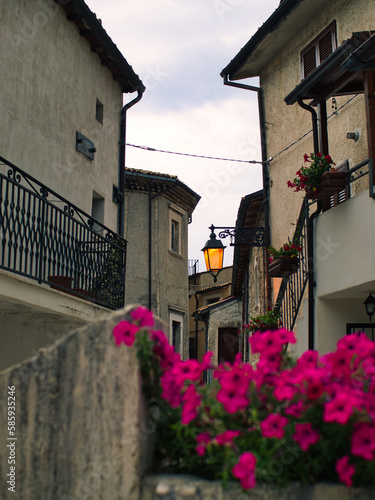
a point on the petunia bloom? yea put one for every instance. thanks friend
(273, 425)
(244, 470)
(124, 333)
(345, 471)
(305, 435)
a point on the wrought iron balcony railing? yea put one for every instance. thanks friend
(46, 238)
(293, 286)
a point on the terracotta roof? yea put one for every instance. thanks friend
(165, 185)
(91, 29)
(206, 309)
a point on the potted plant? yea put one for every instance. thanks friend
(317, 177)
(268, 321)
(285, 260)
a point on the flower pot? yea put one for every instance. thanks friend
(332, 182)
(59, 282)
(283, 266)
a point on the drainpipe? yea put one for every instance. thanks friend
(150, 246)
(266, 179)
(310, 238)
(121, 173)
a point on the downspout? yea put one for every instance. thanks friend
(121, 172)
(310, 238)
(266, 179)
(150, 246)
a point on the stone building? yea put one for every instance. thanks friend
(315, 62)
(62, 149)
(158, 208)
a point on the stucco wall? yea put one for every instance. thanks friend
(50, 82)
(33, 315)
(169, 271)
(345, 241)
(287, 124)
(289, 128)
(81, 426)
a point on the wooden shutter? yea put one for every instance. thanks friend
(318, 50)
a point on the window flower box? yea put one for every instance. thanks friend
(283, 266)
(332, 182)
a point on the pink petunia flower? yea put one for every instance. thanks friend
(244, 470)
(191, 401)
(226, 437)
(232, 399)
(202, 439)
(273, 425)
(305, 435)
(143, 316)
(363, 440)
(339, 408)
(345, 471)
(124, 332)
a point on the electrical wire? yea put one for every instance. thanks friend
(146, 148)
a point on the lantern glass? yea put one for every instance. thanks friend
(370, 305)
(214, 258)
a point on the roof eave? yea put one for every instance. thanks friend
(125, 75)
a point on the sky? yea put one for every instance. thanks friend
(178, 49)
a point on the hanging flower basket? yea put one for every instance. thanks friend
(332, 182)
(283, 266)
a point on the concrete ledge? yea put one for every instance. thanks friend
(80, 419)
(170, 487)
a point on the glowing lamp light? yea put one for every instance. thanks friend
(213, 252)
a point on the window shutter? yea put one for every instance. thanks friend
(318, 50)
(325, 46)
(309, 61)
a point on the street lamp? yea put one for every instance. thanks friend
(370, 305)
(239, 236)
(213, 252)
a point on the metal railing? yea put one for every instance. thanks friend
(292, 288)
(193, 266)
(46, 238)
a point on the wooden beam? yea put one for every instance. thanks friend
(323, 127)
(369, 85)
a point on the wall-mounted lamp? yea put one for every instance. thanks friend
(353, 135)
(370, 305)
(213, 252)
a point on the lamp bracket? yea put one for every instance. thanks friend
(245, 236)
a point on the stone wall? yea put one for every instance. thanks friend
(81, 429)
(163, 487)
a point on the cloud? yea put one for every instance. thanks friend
(178, 48)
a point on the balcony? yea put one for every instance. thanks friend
(343, 267)
(46, 238)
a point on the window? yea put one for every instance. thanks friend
(176, 229)
(176, 335)
(318, 50)
(97, 210)
(175, 236)
(99, 111)
(176, 321)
